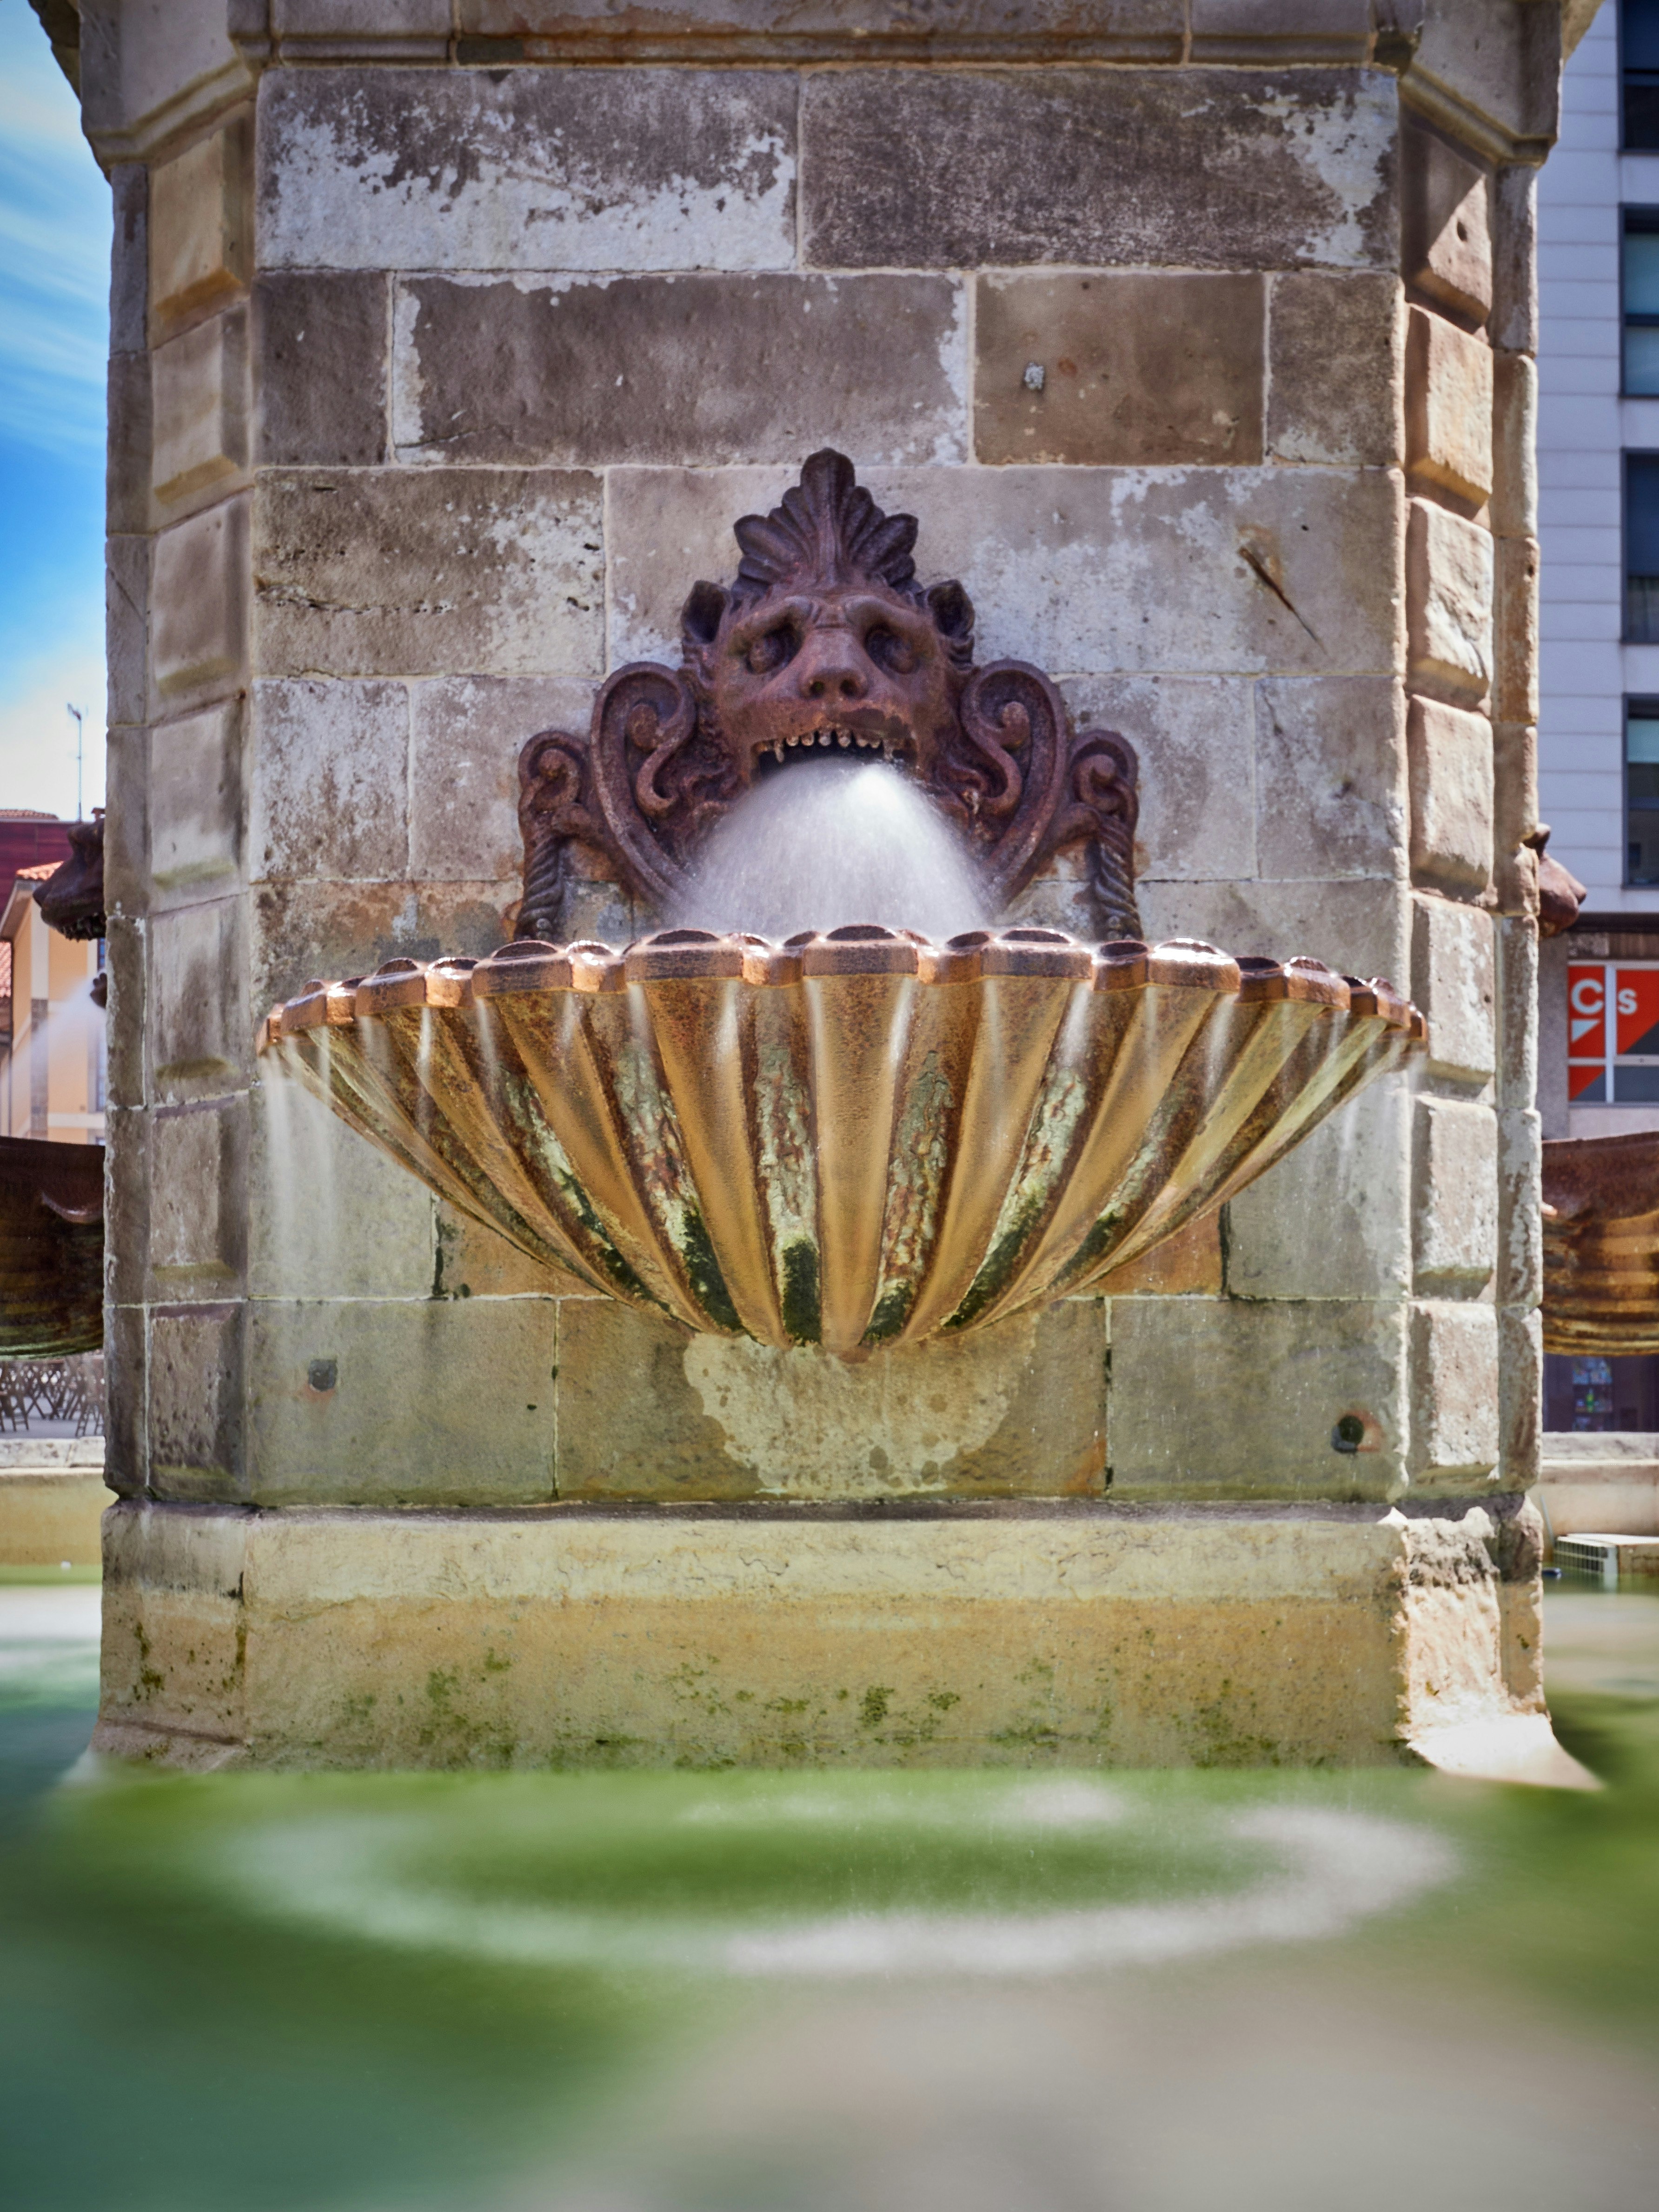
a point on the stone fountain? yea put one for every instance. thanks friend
(1060, 1340)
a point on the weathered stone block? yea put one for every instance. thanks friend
(329, 782)
(126, 1401)
(1446, 231)
(1448, 407)
(321, 347)
(1453, 981)
(126, 855)
(494, 571)
(195, 803)
(1092, 569)
(1449, 603)
(365, 1401)
(698, 370)
(1515, 445)
(645, 1412)
(198, 1186)
(197, 1428)
(1517, 1006)
(1520, 1222)
(1454, 1197)
(1515, 686)
(200, 229)
(129, 264)
(127, 1159)
(1333, 1220)
(126, 628)
(1452, 783)
(128, 425)
(1336, 386)
(200, 410)
(1131, 370)
(331, 929)
(125, 1018)
(198, 595)
(820, 30)
(1065, 166)
(466, 734)
(1187, 1265)
(1193, 737)
(1269, 31)
(1502, 59)
(1359, 925)
(390, 30)
(1277, 1378)
(1514, 799)
(1330, 776)
(1454, 1423)
(1515, 257)
(1521, 1394)
(331, 1215)
(388, 168)
(200, 1028)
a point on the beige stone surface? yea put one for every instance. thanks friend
(194, 794)
(378, 1401)
(1451, 785)
(199, 419)
(465, 735)
(1330, 777)
(1449, 586)
(657, 169)
(1515, 257)
(1454, 1197)
(694, 370)
(648, 1411)
(420, 572)
(1336, 388)
(198, 1169)
(328, 793)
(1359, 927)
(1268, 1382)
(822, 30)
(1270, 30)
(1514, 800)
(1178, 571)
(195, 1416)
(1515, 688)
(1446, 226)
(1515, 445)
(1332, 1220)
(1195, 740)
(1131, 370)
(1520, 1395)
(321, 342)
(330, 1215)
(332, 929)
(126, 630)
(1455, 1435)
(1075, 167)
(200, 229)
(1187, 1265)
(1448, 407)
(1521, 1244)
(1517, 985)
(198, 599)
(1453, 981)
(1498, 64)
(128, 504)
(200, 1030)
(1089, 1637)
(51, 1514)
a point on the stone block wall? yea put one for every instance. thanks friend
(447, 344)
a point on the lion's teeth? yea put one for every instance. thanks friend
(844, 737)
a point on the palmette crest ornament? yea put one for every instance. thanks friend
(852, 1139)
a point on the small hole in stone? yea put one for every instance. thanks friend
(1348, 1434)
(323, 1375)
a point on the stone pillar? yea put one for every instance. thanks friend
(447, 344)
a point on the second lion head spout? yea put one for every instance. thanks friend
(826, 640)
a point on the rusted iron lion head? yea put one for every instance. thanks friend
(826, 642)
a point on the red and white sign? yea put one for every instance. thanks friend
(1613, 1015)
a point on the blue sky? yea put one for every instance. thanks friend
(54, 335)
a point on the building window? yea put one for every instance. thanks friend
(1602, 1393)
(1642, 792)
(1639, 54)
(1613, 1032)
(1642, 548)
(1640, 273)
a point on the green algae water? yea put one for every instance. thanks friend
(643, 1989)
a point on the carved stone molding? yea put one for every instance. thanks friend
(825, 641)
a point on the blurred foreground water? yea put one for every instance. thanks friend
(993, 1992)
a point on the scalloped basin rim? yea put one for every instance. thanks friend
(855, 1137)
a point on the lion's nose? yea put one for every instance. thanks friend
(830, 668)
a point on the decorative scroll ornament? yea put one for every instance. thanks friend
(825, 641)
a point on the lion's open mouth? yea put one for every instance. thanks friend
(836, 737)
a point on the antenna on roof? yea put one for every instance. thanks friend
(78, 715)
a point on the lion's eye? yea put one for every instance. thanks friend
(771, 649)
(890, 651)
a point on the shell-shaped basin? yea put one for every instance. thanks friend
(855, 1137)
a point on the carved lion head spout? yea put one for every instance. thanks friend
(826, 642)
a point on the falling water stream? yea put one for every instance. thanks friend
(836, 842)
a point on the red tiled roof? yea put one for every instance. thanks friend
(39, 875)
(27, 814)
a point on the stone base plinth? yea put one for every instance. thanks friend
(1074, 1633)
(51, 1501)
